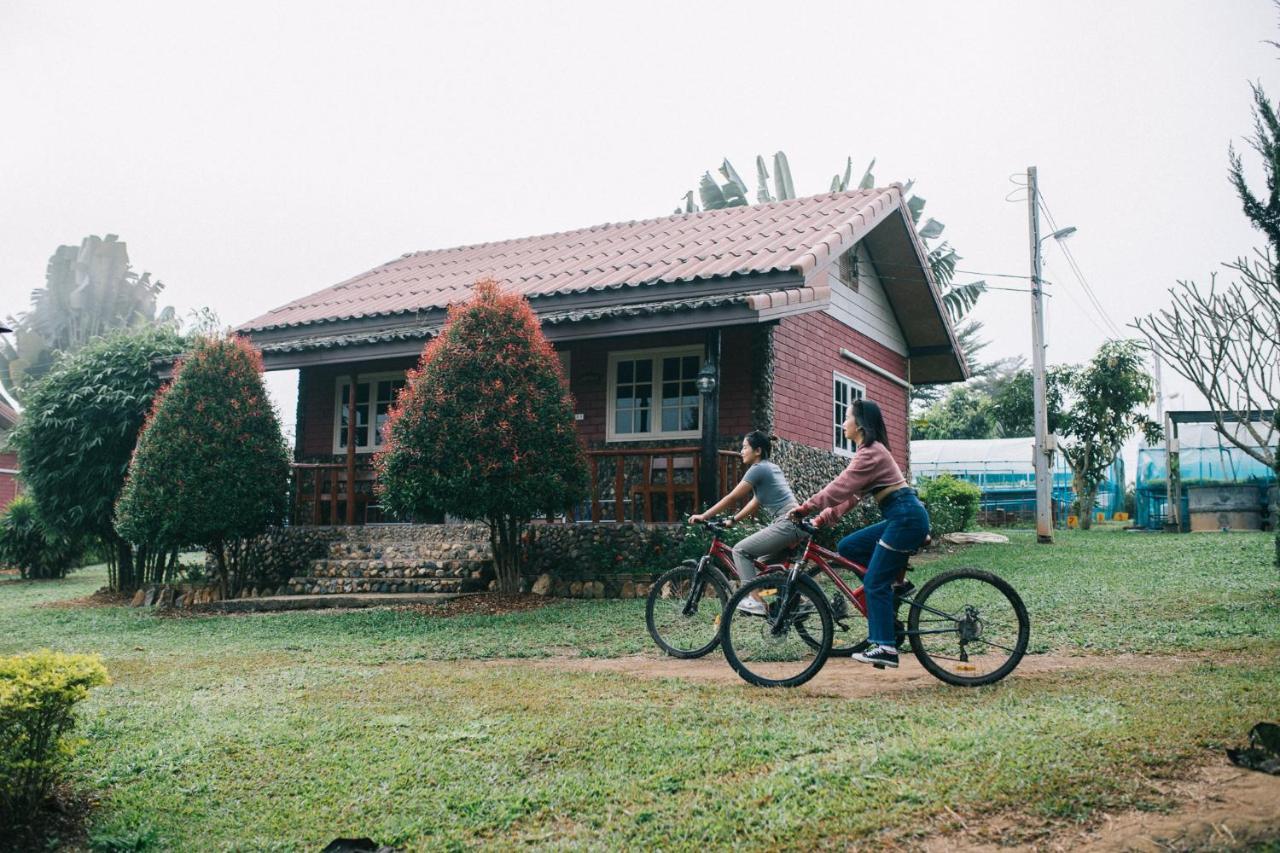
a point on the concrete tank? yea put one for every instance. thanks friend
(1226, 507)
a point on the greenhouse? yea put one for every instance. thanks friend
(1003, 468)
(1207, 461)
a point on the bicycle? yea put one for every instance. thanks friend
(967, 627)
(683, 627)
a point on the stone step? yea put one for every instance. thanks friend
(349, 568)
(407, 552)
(341, 586)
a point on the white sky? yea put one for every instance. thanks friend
(252, 153)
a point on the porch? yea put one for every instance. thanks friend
(649, 484)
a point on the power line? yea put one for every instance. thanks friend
(1080, 276)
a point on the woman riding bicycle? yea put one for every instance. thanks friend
(768, 488)
(884, 547)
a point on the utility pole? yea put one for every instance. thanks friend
(1044, 485)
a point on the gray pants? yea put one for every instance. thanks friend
(778, 536)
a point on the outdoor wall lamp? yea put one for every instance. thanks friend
(707, 378)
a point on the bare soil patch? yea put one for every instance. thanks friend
(840, 677)
(1217, 807)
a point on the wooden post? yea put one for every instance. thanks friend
(595, 490)
(671, 490)
(710, 426)
(351, 450)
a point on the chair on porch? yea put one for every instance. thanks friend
(669, 487)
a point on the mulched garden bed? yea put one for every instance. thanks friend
(102, 598)
(486, 604)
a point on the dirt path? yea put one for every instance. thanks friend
(1221, 807)
(840, 678)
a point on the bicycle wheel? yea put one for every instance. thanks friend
(777, 650)
(683, 617)
(850, 629)
(968, 627)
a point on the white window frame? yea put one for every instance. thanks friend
(373, 379)
(854, 387)
(655, 418)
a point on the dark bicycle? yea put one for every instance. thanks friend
(967, 627)
(684, 609)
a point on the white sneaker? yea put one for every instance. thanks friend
(752, 607)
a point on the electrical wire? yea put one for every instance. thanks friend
(1080, 276)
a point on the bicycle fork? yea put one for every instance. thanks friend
(696, 587)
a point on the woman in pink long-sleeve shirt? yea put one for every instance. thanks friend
(883, 547)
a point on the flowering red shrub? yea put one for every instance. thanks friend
(211, 467)
(484, 427)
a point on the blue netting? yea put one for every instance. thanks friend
(1204, 458)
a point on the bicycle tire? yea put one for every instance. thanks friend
(674, 578)
(919, 603)
(732, 616)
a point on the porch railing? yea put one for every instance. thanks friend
(627, 484)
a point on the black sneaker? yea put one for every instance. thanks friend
(878, 657)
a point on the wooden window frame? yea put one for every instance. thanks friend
(338, 409)
(841, 446)
(655, 419)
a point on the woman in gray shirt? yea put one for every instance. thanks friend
(768, 488)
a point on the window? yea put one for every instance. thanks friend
(843, 392)
(654, 394)
(849, 268)
(374, 398)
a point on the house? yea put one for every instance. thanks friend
(8, 459)
(677, 336)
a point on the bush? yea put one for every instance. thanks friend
(27, 544)
(952, 503)
(484, 428)
(38, 694)
(211, 468)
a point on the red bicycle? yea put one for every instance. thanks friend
(685, 604)
(967, 627)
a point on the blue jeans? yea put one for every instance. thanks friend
(883, 548)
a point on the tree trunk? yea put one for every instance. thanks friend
(504, 538)
(126, 579)
(1086, 494)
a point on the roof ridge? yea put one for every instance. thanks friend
(700, 214)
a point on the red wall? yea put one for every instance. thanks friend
(8, 482)
(588, 368)
(806, 353)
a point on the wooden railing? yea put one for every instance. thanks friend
(627, 484)
(320, 493)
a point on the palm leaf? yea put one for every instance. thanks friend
(710, 193)
(931, 230)
(915, 205)
(868, 180)
(961, 298)
(783, 187)
(762, 182)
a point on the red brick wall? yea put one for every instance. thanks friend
(8, 482)
(806, 354)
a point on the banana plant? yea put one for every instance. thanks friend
(89, 290)
(959, 299)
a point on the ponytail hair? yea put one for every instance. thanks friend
(866, 414)
(762, 441)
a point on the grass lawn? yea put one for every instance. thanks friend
(284, 731)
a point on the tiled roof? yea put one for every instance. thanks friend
(794, 235)
(755, 300)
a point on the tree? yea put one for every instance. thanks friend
(1102, 406)
(1225, 340)
(211, 468)
(484, 429)
(89, 290)
(77, 434)
(963, 413)
(995, 404)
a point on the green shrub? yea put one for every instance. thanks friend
(27, 543)
(952, 503)
(38, 694)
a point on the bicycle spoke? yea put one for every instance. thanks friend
(966, 627)
(787, 646)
